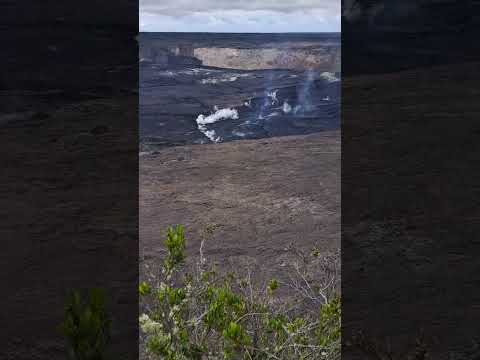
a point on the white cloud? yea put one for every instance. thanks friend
(245, 16)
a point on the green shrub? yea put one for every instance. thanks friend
(175, 244)
(144, 288)
(208, 314)
(86, 326)
(328, 331)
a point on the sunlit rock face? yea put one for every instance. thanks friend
(326, 58)
(244, 52)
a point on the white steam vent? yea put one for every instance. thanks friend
(330, 77)
(287, 108)
(273, 96)
(222, 114)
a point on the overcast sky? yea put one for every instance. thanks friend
(240, 16)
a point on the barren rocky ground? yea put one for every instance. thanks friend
(263, 194)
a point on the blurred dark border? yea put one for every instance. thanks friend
(69, 179)
(410, 181)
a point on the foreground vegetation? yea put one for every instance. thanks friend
(86, 326)
(196, 312)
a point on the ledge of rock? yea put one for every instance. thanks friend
(267, 51)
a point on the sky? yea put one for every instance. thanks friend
(239, 16)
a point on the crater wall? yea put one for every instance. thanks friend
(322, 58)
(245, 53)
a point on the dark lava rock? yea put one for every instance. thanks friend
(100, 129)
(84, 139)
(40, 116)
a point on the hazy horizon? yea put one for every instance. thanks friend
(240, 33)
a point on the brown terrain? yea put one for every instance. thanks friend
(263, 195)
